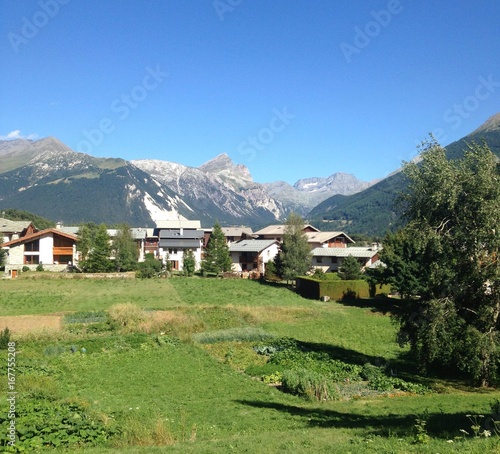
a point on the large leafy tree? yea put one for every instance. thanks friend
(125, 250)
(295, 251)
(95, 248)
(217, 258)
(445, 261)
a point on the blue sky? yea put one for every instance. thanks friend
(291, 89)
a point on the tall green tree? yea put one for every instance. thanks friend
(350, 269)
(295, 251)
(95, 248)
(3, 254)
(188, 262)
(125, 250)
(217, 258)
(445, 261)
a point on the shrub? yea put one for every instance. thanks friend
(86, 317)
(232, 334)
(149, 268)
(125, 316)
(25, 269)
(310, 385)
(39, 267)
(4, 338)
(43, 424)
(371, 372)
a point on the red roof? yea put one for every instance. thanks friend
(36, 235)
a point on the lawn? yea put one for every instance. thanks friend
(177, 379)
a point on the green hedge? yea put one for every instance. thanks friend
(315, 288)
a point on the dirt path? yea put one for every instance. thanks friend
(21, 324)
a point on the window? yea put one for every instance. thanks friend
(334, 259)
(319, 259)
(31, 259)
(34, 246)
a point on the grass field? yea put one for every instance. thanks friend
(173, 379)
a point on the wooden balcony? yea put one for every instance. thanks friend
(62, 251)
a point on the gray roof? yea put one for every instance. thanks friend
(178, 223)
(179, 243)
(323, 237)
(6, 225)
(236, 231)
(359, 252)
(70, 230)
(186, 234)
(278, 229)
(251, 245)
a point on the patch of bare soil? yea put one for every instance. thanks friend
(22, 324)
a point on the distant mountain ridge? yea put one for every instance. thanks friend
(49, 179)
(306, 193)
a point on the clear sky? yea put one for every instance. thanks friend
(292, 89)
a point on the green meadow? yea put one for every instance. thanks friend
(190, 365)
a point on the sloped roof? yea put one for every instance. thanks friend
(251, 245)
(279, 229)
(323, 237)
(236, 231)
(137, 233)
(176, 234)
(70, 230)
(358, 252)
(39, 234)
(179, 243)
(6, 225)
(178, 223)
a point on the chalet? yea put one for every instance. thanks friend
(328, 239)
(252, 255)
(330, 259)
(176, 237)
(12, 230)
(232, 234)
(235, 234)
(276, 232)
(52, 248)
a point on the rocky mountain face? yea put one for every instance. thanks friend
(47, 178)
(306, 193)
(220, 188)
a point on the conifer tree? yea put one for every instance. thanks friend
(295, 250)
(94, 245)
(125, 250)
(350, 269)
(217, 258)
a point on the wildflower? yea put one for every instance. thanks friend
(486, 433)
(449, 441)
(464, 431)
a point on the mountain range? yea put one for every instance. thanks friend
(49, 179)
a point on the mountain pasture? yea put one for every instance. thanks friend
(180, 373)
